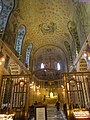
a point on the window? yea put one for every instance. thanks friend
(58, 66)
(6, 7)
(0, 6)
(42, 65)
(28, 52)
(19, 39)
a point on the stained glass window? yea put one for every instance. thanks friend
(42, 65)
(6, 7)
(0, 6)
(19, 39)
(58, 66)
(28, 52)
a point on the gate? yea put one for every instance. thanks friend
(77, 87)
(14, 92)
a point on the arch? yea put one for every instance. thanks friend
(50, 52)
(48, 45)
(19, 39)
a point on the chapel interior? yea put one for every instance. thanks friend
(44, 55)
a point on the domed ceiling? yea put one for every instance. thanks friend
(47, 24)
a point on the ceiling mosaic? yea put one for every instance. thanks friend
(47, 28)
(46, 23)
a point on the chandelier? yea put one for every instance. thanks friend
(87, 51)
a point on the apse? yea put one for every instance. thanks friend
(48, 62)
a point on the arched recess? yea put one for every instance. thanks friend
(19, 39)
(49, 59)
(69, 51)
(82, 67)
(73, 31)
(28, 53)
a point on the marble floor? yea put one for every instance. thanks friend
(53, 114)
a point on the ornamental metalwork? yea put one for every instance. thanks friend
(47, 28)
